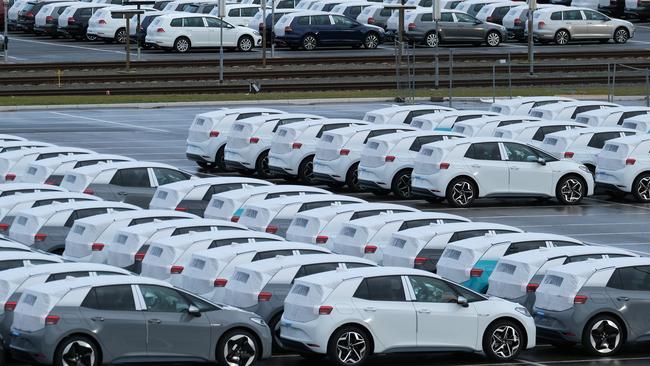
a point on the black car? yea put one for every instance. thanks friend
(269, 27)
(77, 22)
(141, 34)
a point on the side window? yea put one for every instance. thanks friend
(15, 263)
(556, 16)
(249, 12)
(225, 242)
(164, 299)
(387, 12)
(48, 156)
(419, 141)
(632, 278)
(214, 22)
(584, 108)
(64, 275)
(598, 139)
(427, 17)
(432, 255)
(524, 246)
(519, 152)
(429, 289)
(233, 13)
(368, 213)
(248, 115)
(310, 251)
(116, 298)
(592, 15)
(508, 123)
(413, 114)
(378, 133)
(178, 22)
(446, 17)
(166, 176)
(543, 131)
(582, 258)
(461, 235)
(220, 188)
(484, 151)
(191, 229)
(468, 117)
(84, 163)
(560, 243)
(302, 21)
(416, 223)
(132, 177)
(320, 20)
(311, 269)
(627, 115)
(146, 220)
(194, 22)
(572, 15)
(86, 212)
(313, 205)
(272, 254)
(386, 288)
(352, 265)
(330, 127)
(464, 18)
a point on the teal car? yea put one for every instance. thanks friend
(470, 262)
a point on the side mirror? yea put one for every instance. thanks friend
(462, 301)
(194, 311)
(541, 161)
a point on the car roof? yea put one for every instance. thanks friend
(308, 12)
(79, 157)
(45, 150)
(214, 235)
(396, 137)
(133, 214)
(273, 117)
(470, 140)
(273, 265)
(607, 111)
(35, 196)
(542, 123)
(98, 168)
(57, 207)
(269, 189)
(58, 267)
(19, 186)
(239, 248)
(403, 216)
(149, 226)
(577, 103)
(227, 111)
(355, 207)
(481, 241)
(410, 107)
(283, 201)
(631, 140)
(187, 185)
(25, 143)
(9, 255)
(333, 278)
(433, 230)
(64, 286)
(458, 112)
(545, 254)
(592, 265)
(324, 121)
(575, 132)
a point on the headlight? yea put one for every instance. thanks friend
(523, 311)
(585, 169)
(261, 321)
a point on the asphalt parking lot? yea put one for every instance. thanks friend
(31, 48)
(159, 135)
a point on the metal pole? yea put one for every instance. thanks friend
(451, 74)
(613, 82)
(6, 34)
(494, 83)
(221, 50)
(128, 47)
(609, 82)
(400, 34)
(263, 5)
(531, 52)
(437, 72)
(647, 87)
(272, 28)
(137, 28)
(509, 77)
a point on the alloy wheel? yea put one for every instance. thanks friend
(432, 40)
(621, 36)
(372, 41)
(571, 190)
(493, 39)
(239, 350)
(245, 44)
(309, 172)
(78, 353)
(309, 43)
(120, 37)
(605, 336)
(264, 164)
(505, 341)
(351, 348)
(404, 185)
(91, 37)
(462, 193)
(643, 188)
(562, 37)
(182, 45)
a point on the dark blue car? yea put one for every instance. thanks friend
(311, 29)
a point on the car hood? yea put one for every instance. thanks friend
(375, 27)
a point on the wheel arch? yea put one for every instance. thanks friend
(80, 333)
(521, 326)
(467, 176)
(240, 327)
(573, 174)
(358, 325)
(618, 317)
(398, 172)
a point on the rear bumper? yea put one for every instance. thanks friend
(280, 172)
(297, 347)
(235, 165)
(195, 157)
(619, 182)
(371, 186)
(557, 326)
(325, 178)
(423, 192)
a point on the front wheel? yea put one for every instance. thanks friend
(603, 336)
(570, 190)
(621, 35)
(503, 341)
(641, 188)
(371, 41)
(77, 350)
(309, 42)
(245, 44)
(493, 39)
(461, 193)
(349, 346)
(237, 347)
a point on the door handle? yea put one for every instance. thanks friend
(476, 166)
(97, 318)
(424, 311)
(155, 321)
(514, 168)
(623, 298)
(370, 308)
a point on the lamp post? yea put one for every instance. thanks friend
(436, 19)
(263, 5)
(127, 15)
(532, 6)
(5, 4)
(222, 14)
(138, 3)
(400, 35)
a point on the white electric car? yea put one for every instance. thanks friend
(523, 105)
(623, 166)
(402, 114)
(568, 110)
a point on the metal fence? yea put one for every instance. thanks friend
(613, 69)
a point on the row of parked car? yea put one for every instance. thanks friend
(314, 272)
(535, 146)
(182, 24)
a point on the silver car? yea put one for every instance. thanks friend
(575, 24)
(454, 27)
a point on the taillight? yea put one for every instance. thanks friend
(369, 249)
(52, 319)
(271, 229)
(532, 287)
(40, 237)
(260, 26)
(412, 26)
(371, 20)
(29, 15)
(101, 21)
(176, 269)
(325, 310)
(444, 166)
(254, 140)
(71, 20)
(214, 133)
(10, 176)
(580, 299)
(541, 25)
(264, 296)
(160, 30)
(89, 191)
(568, 154)
(630, 161)
(390, 158)
(321, 239)
(98, 247)
(234, 219)
(139, 256)
(344, 152)
(49, 19)
(476, 272)
(51, 182)
(288, 30)
(4, 227)
(220, 282)
(296, 145)
(517, 21)
(10, 306)
(181, 209)
(420, 261)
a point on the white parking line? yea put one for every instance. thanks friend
(66, 45)
(110, 122)
(635, 41)
(618, 203)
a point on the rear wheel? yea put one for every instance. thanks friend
(237, 347)
(603, 336)
(371, 41)
(461, 192)
(621, 35)
(120, 36)
(431, 39)
(262, 165)
(570, 190)
(309, 43)
(641, 188)
(306, 170)
(352, 178)
(182, 45)
(91, 38)
(77, 351)
(493, 39)
(349, 345)
(401, 186)
(220, 158)
(245, 43)
(562, 37)
(503, 341)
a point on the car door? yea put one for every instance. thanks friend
(133, 185)
(489, 168)
(629, 290)
(164, 176)
(325, 31)
(348, 30)
(199, 34)
(574, 21)
(381, 302)
(110, 312)
(598, 25)
(526, 175)
(171, 330)
(441, 321)
(470, 29)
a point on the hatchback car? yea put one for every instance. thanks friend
(516, 18)
(403, 114)
(312, 29)
(104, 27)
(73, 22)
(454, 27)
(129, 182)
(445, 121)
(89, 236)
(623, 166)
(52, 170)
(517, 276)
(239, 14)
(7, 146)
(47, 20)
(351, 9)
(640, 123)
(578, 24)
(387, 161)
(26, 16)
(208, 134)
(494, 13)
(10, 189)
(523, 105)
(262, 286)
(534, 133)
(11, 138)
(466, 169)
(568, 110)
(472, 7)
(14, 164)
(486, 126)
(471, 261)
(597, 303)
(352, 314)
(609, 117)
(138, 317)
(375, 14)
(194, 195)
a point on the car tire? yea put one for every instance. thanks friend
(570, 190)
(220, 158)
(274, 326)
(91, 38)
(503, 341)
(562, 37)
(371, 40)
(245, 44)
(306, 170)
(120, 36)
(599, 334)
(431, 39)
(352, 178)
(401, 184)
(493, 39)
(182, 45)
(309, 42)
(641, 188)
(621, 35)
(351, 338)
(236, 345)
(262, 165)
(77, 350)
(461, 192)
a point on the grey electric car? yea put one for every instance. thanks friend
(129, 319)
(454, 27)
(601, 304)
